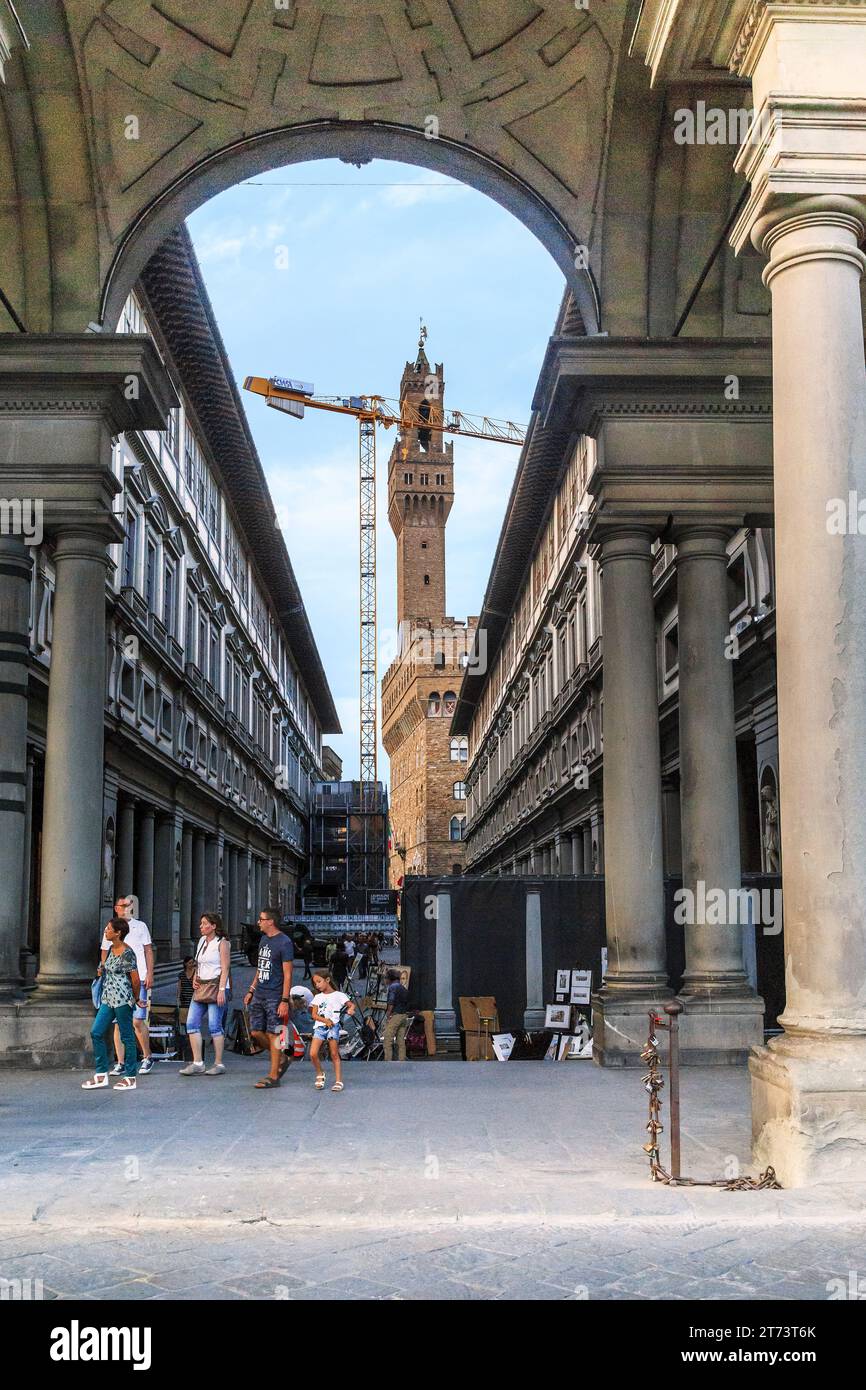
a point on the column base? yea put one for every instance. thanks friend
(720, 1030)
(809, 1108)
(40, 1035)
(533, 1020)
(620, 1026)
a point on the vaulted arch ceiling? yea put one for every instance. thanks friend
(124, 115)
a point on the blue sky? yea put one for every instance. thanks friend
(322, 271)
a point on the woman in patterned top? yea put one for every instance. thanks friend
(121, 987)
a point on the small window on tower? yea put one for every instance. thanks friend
(424, 478)
(426, 579)
(407, 478)
(423, 545)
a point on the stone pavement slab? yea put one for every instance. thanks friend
(420, 1181)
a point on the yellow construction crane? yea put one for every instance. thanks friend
(293, 397)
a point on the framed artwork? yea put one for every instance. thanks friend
(563, 981)
(581, 986)
(558, 1016)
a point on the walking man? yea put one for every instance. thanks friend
(138, 940)
(269, 996)
(396, 1018)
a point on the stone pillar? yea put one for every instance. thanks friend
(809, 1086)
(63, 399)
(577, 866)
(74, 747)
(163, 884)
(533, 1016)
(807, 213)
(15, 566)
(203, 897)
(228, 888)
(186, 883)
(124, 874)
(211, 897)
(28, 956)
(445, 1019)
(672, 827)
(722, 1015)
(634, 895)
(145, 863)
(588, 866)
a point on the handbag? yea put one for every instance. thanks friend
(206, 991)
(96, 991)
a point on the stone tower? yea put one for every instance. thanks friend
(421, 494)
(419, 690)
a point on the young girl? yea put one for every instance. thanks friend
(326, 1009)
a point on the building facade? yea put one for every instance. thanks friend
(625, 723)
(419, 690)
(215, 704)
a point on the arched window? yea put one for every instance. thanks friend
(456, 827)
(434, 705)
(459, 750)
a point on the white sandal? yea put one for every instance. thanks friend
(127, 1084)
(96, 1082)
(320, 1081)
(337, 1086)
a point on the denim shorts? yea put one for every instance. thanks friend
(263, 1015)
(325, 1033)
(140, 1011)
(216, 1016)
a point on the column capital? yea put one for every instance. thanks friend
(808, 134)
(701, 540)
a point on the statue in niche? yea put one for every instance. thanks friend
(177, 854)
(770, 829)
(108, 863)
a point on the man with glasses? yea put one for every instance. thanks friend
(269, 996)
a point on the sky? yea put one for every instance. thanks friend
(323, 271)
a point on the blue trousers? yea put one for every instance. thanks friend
(105, 1020)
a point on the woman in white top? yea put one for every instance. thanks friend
(211, 993)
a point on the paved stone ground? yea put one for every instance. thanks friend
(431, 1180)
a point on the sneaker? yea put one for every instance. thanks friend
(146, 1066)
(192, 1069)
(117, 1069)
(216, 1070)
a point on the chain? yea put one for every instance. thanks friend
(653, 1083)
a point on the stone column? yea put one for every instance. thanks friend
(186, 883)
(72, 815)
(807, 214)
(63, 399)
(722, 1016)
(15, 566)
(634, 896)
(672, 826)
(28, 957)
(228, 888)
(203, 898)
(809, 1086)
(533, 1016)
(211, 897)
(163, 883)
(577, 866)
(145, 864)
(125, 868)
(588, 867)
(445, 1019)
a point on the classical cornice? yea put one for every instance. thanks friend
(761, 15)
